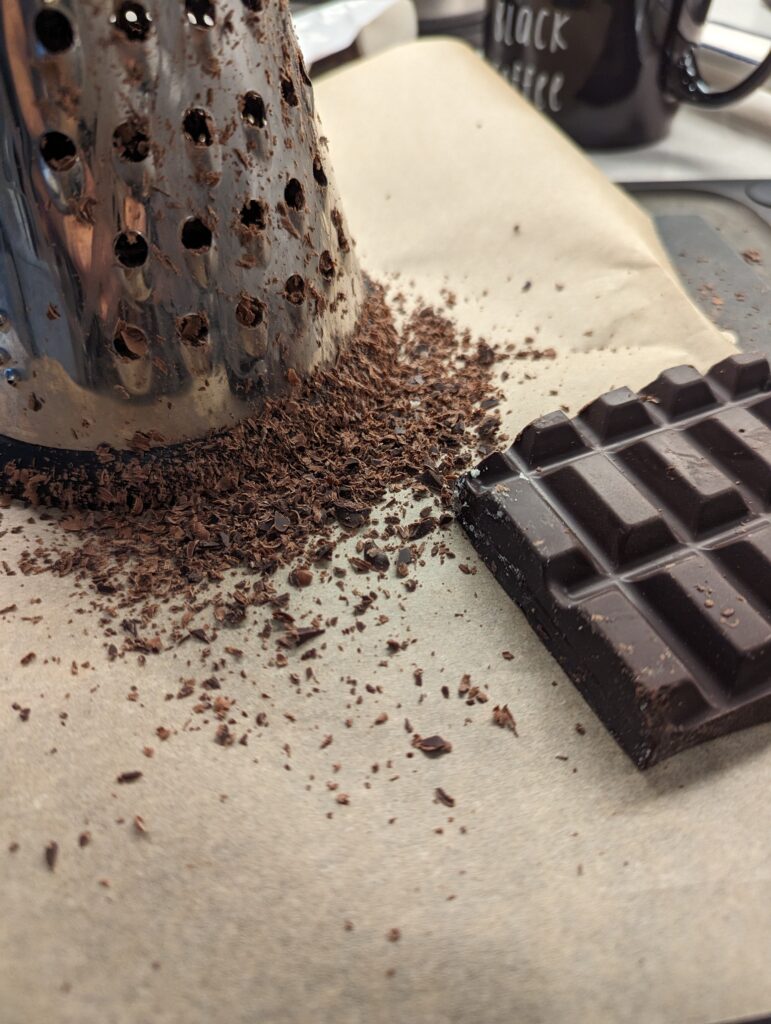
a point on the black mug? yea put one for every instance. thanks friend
(610, 72)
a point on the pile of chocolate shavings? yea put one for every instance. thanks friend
(409, 409)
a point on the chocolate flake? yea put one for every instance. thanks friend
(301, 577)
(432, 745)
(51, 854)
(504, 718)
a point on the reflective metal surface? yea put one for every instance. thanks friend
(171, 242)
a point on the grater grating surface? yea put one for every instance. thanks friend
(171, 242)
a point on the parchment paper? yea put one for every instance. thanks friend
(580, 889)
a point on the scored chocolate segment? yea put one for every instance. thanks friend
(611, 509)
(742, 374)
(713, 619)
(637, 540)
(748, 560)
(739, 441)
(681, 391)
(542, 546)
(681, 475)
(550, 438)
(642, 662)
(616, 415)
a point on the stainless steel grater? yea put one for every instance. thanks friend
(172, 248)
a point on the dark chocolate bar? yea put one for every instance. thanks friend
(636, 538)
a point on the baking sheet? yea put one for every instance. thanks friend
(718, 236)
(564, 884)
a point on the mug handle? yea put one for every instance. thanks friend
(684, 80)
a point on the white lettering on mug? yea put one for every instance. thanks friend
(557, 39)
(524, 26)
(540, 84)
(555, 100)
(540, 87)
(498, 22)
(501, 11)
(508, 34)
(527, 80)
(540, 20)
(514, 22)
(518, 23)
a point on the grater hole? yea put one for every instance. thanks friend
(294, 290)
(253, 5)
(193, 329)
(288, 91)
(342, 241)
(318, 172)
(133, 21)
(253, 109)
(129, 342)
(294, 195)
(303, 70)
(196, 235)
(58, 151)
(198, 127)
(131, 249)
(327, 265)
(54, 31)
(131, 141)
(250, 312)
(200, 13)
(253, 214)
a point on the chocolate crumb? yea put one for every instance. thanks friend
(301, 577)
(377, 559)
(51, 854)
(504, 718)
(132, 776)
(393, 934)
(84, 839)
(432, 745)
(444, 798)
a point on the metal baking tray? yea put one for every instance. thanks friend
(718, 236)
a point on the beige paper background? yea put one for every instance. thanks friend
(583, 890)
